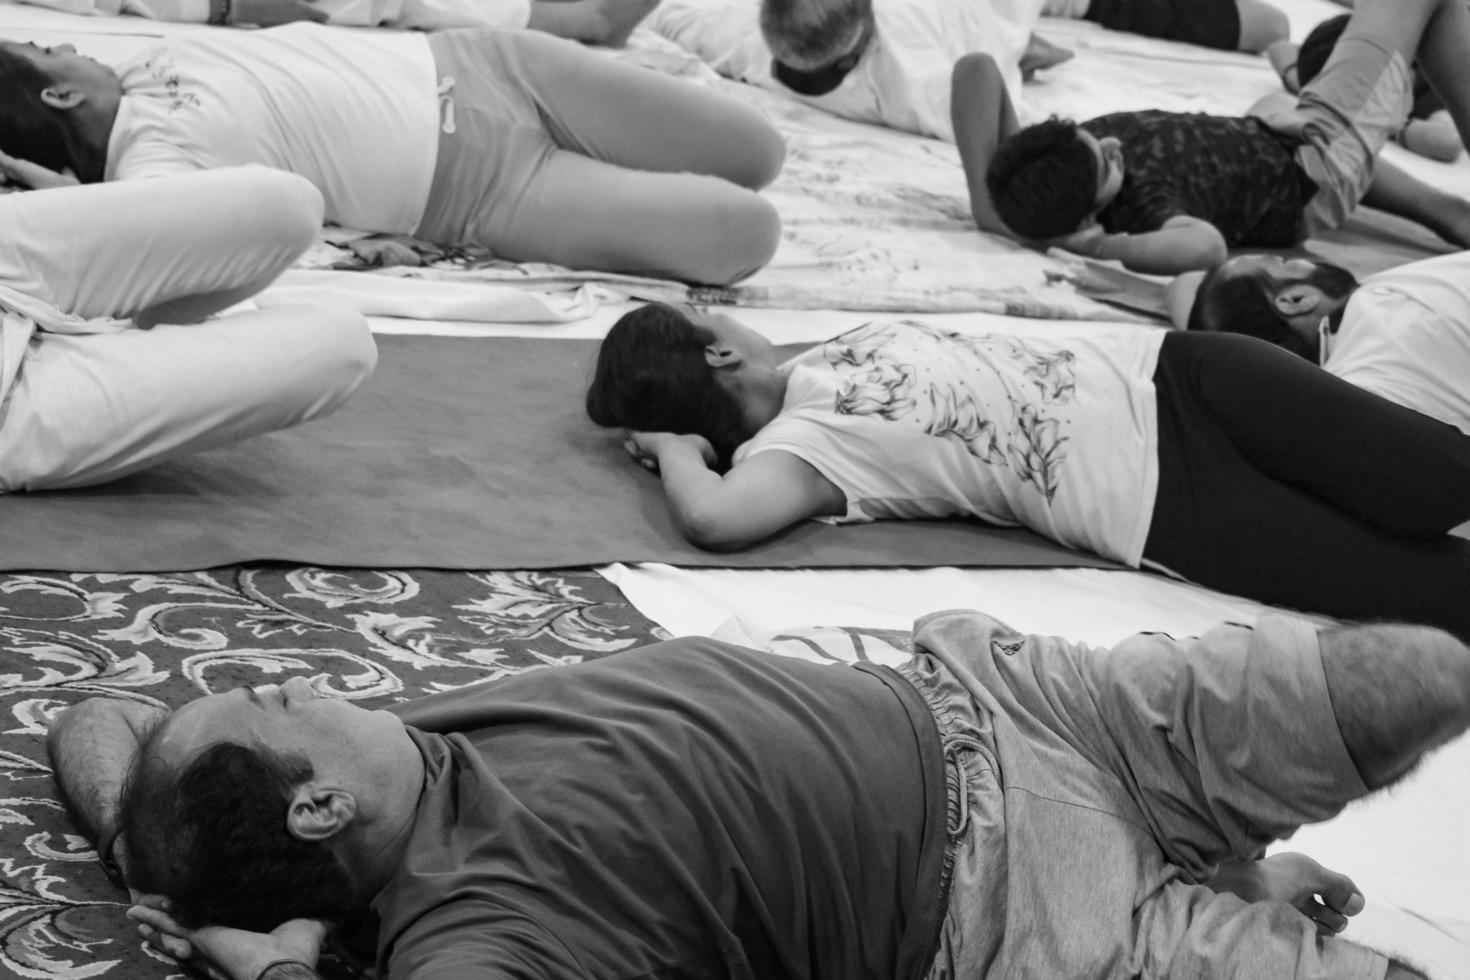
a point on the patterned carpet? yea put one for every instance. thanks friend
(378, 636)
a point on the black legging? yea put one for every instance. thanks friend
(1280, 482)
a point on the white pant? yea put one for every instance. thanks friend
(85, 408)
(94, 407)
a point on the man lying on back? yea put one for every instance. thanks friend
(696, 809)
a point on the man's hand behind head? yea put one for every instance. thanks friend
(231, 954)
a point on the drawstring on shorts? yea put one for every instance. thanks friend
(446, 104)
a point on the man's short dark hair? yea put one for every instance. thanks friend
(29, 128)
(652, 376)
(1043, 180)
(1244, 304)
(210, 834)
(808, 34)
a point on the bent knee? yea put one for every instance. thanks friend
(743, 235)
(339, 356)
(769, 156)
(759, 154)
(293, 208)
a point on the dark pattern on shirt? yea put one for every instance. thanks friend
(1232, 171)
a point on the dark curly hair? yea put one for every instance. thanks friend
(29, 128)
(652, 376)
(211, 836)
(1242, 304)
(1043, 180)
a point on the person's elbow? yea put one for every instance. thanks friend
(84, 714)
(1190, 244)
(972, 70)
(971, 78)
(714, 527)
(1210, 250)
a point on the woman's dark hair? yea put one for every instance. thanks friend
(652, 376)
(29, 128)
(1043, 180)
(211, 836)
(1242, 304)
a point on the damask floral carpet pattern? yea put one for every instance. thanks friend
(374, 636)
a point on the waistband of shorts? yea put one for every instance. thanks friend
(959, 722)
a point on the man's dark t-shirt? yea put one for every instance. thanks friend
(1233, 171)
(691, 809)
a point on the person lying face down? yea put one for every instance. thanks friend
(1403, 333)
(1169, 192)
(698, 809)
(1126, 444)
(529, 145)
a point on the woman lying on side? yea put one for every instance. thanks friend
(528, 145)
(107, 361)
(1212, 456)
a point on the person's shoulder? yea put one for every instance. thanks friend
(1440, 284)
(1116, 123)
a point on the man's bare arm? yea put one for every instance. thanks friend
(92, 745)
(1184, 243)
(983, 117)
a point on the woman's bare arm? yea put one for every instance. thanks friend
(726, 512)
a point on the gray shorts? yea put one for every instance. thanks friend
(1091, 789)
(1344, 117)
(491, 135)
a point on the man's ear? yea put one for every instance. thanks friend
(718, 355)
(319, 811)
(63, 97)
(1298, 299)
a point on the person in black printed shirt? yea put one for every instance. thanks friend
(1170, 192)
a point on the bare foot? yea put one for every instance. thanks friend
(619, 17)
(1041, 54)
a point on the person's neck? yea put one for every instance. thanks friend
(92, 132)
(374, 849)
(1334, 319)
(762, 404)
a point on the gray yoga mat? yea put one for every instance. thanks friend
(458, 453)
